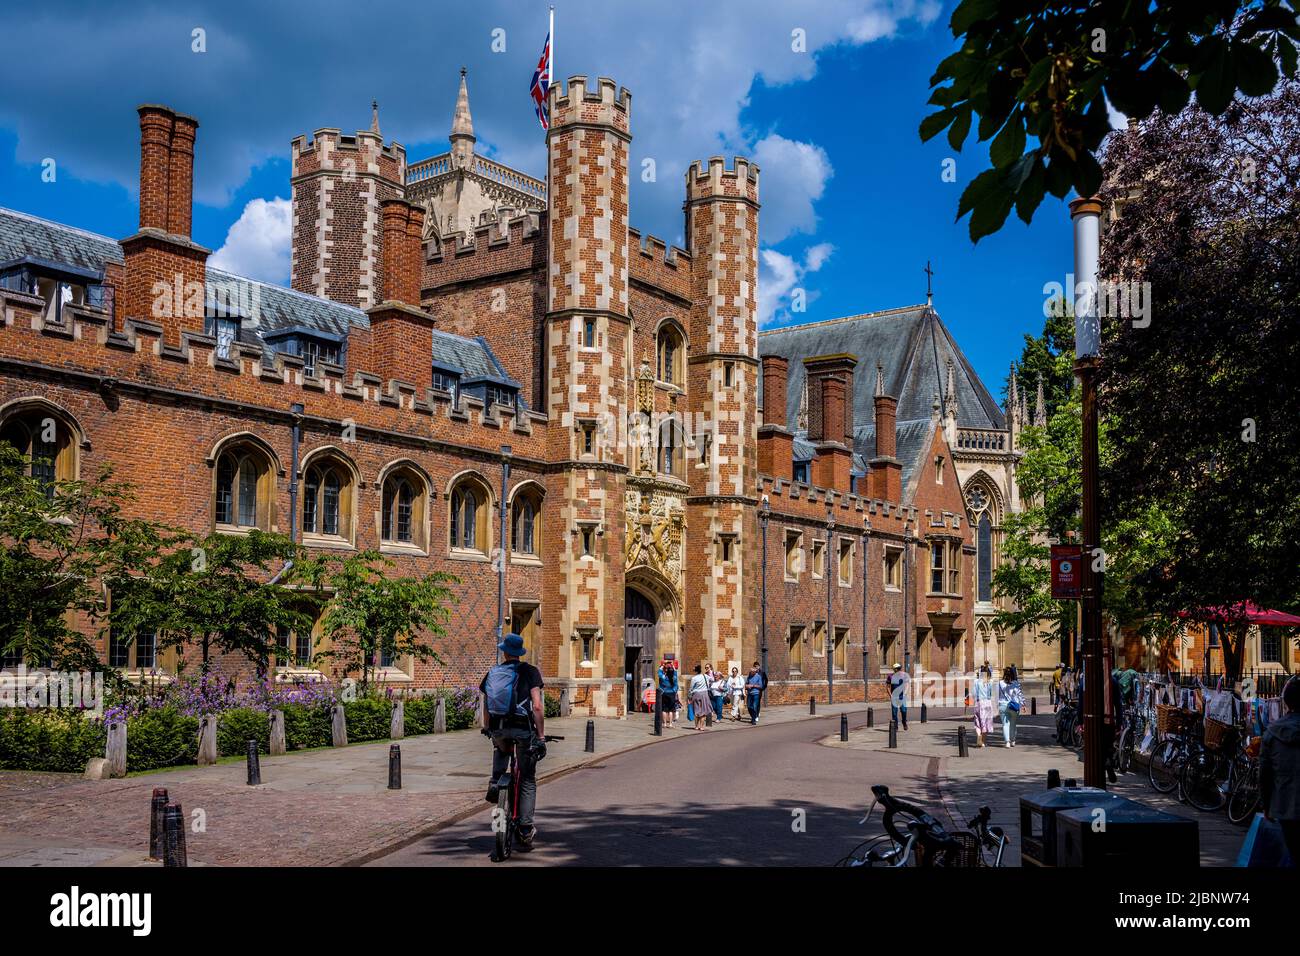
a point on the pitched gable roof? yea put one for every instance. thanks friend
(912, 344)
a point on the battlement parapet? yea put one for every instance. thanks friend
(652, 247)
(608, 105)
(136, 357)
(329, 149)
(716, 181)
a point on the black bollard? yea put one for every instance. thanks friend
(893, 735)
(591, 737)
(1053, 779)
(157, 810)
(812, 706)
(961, 741)
(254, 768)
(871, 717)
(394, 767)
(922, 711)
(708, 716)
(1033, 707)
(659, 714)
(844, 726)
(174, 836)
(1070, 783)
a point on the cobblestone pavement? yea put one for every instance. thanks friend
(322, 808)
(996, 776)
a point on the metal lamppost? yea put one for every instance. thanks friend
(763, 517)
(866, 561)
(828, 640)
(502, 555)
(908, 597)
(1086, 214)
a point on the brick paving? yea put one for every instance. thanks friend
(319, 808)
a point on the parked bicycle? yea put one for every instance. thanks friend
(913, 837)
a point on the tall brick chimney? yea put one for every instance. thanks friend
(886, 471)
(830, 418)
(165, 272)
(401, 334)
(775, 442)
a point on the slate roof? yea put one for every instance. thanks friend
(278, 307)
(913, 345)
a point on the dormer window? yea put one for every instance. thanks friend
(226, 331)
(313, 348)
(497, 395)
(445, 381)
(801, 472)
(57, 284)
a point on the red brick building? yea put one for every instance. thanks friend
(453, 316)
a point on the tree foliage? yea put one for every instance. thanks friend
(226, 593)
(60, 543)
(371, 614)
(1210, 217)
(1043, 70)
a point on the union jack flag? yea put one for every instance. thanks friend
(541, 84)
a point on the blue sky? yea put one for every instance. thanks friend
(853, 203)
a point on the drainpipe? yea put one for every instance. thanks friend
(763, 516)
(907, 596)
(502, 557)
(295, 432)
(829, 636)
(866, 560)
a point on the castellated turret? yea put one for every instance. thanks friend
(338, 183)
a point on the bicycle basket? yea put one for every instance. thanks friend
(1171, 719)
(967, 854)
(1219, 735)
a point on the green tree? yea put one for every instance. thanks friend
(226, 593)
(371, 614)
(1205, 389)
(63, 543)
(1043, 70)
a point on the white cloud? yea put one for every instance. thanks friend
(793, 177)
(259, 243)
(782, 278)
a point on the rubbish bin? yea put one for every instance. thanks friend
(1130, 835)
(1038, 812)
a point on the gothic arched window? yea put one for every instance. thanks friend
(327, 498)
(244, 488)
(980, 503)
(670, 349)
(402, 521)
(525, 524)
(469, 518)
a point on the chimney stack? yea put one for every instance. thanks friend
(886, 471)
(165, 273)
(830, 418)
(401, 334)
(775, 441)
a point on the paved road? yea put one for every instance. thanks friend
(710, 799)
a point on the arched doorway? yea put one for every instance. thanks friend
(640, 627)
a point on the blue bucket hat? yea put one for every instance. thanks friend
(513, 646)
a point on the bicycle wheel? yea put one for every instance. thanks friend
(1162, 771)
(1244, 799)
(1200, 783)
(1124, 751)
(503, 824)
(1076, 736)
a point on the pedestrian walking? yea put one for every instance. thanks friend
(898, 695)
(755, 681)
(1279, 770)
(736, 685)
(1010, 702)
(984, 706)
(698, 695)
(719, 689)
(668, 692)
(1056, 685)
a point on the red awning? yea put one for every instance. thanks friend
(1250, 613)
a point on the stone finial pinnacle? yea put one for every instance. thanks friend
(1040, 407)
(880, 379)
(374, 116)
(462, 124)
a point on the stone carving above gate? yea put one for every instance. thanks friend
(656, 525)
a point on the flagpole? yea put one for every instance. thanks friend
(552, 63)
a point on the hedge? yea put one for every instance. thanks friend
(369, 718)
(160, 737)
(61, 741)
(418, 715)
(235, 728)
(306, 727)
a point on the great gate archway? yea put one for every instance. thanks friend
(640, 642)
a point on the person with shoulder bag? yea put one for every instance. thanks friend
(1010, 702)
